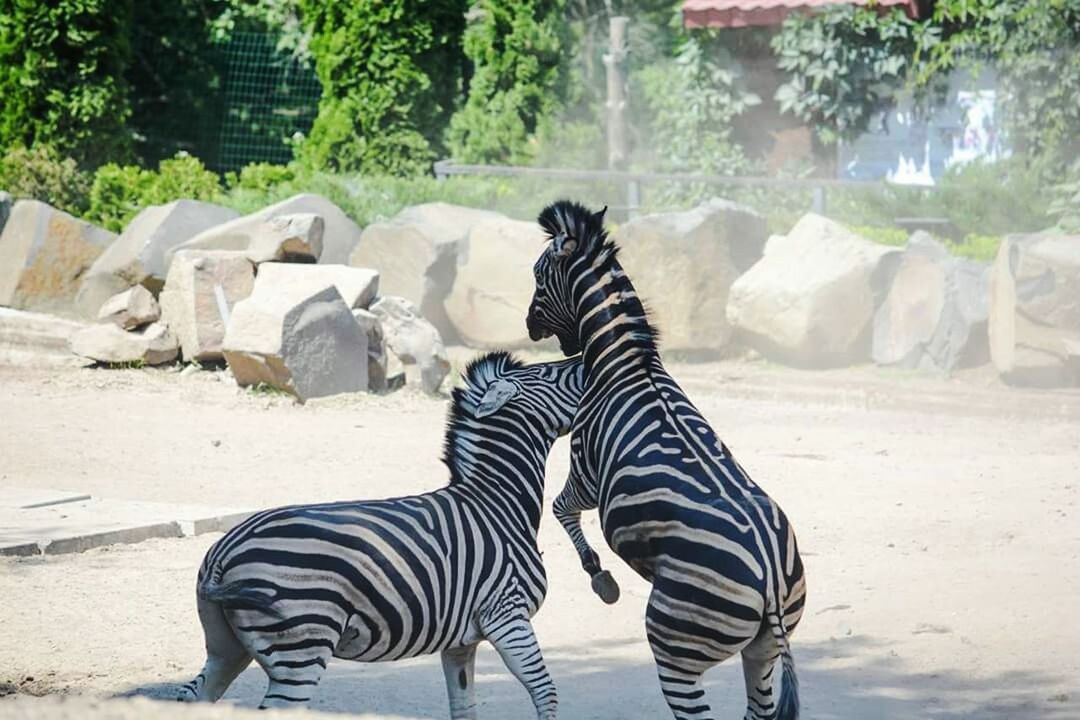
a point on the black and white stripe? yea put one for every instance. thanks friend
(390, 579)
(674, 504)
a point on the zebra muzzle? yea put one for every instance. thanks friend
(605, 586)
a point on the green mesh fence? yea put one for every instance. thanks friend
(268, 97)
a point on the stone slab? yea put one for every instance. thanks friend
(73, 522)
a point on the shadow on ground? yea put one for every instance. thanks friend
(850, 677)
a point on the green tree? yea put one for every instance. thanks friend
(515, 47)
(390, 72)
(62, 68)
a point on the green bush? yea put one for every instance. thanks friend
(120, 192)
(41, 174)
(1065, 200)
(62, 66)
(894, 236)
(515, 48)
(976, 247)
(390, 73)
(260, 176)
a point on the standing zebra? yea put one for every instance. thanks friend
(390, 579)
(674, 504)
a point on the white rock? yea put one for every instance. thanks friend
(131, 309)
(810, 300)
(494, 283)
(417, 253)
(37, 340)
(358, 286)
(260, 235)
(1035, 310)
(310, 347)
(138, 256)
(43, 254)
(201, 289)
(682, 265)
(377, 356)
(153, 345)
(413, 340)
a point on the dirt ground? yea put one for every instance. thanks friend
(938, 521)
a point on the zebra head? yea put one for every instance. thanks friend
(576, 237)
(527, 399)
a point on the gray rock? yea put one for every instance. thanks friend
(5, 208)
(683, 264)
(131, 309)
(417, 254)
(37, 340)
(934, 316)
(45, 253)
(1035, 310)
(413, 340)
(311, 348)
(153, 345)
(358, 286)
(295, 238)
(200, 291)
(494, 283)
(139, 256)
(810, 300)
(378, 360)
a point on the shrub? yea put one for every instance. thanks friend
(62, 67)
(893, 236)
(260, 176)
(1065, 200)
(41, 174)
(515, 48)
(120, 192)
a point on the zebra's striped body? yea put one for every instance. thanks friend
(390, 579)
(674, 504)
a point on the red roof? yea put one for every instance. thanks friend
(744, 13)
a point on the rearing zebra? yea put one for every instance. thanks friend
(674, 504)
(390, 579)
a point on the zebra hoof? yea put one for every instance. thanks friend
(605, 586)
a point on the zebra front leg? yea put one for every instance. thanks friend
(568, 507)
(459, 665)
(514, 639)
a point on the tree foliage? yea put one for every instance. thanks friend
(515, 48)
(390, 73)
(62, 77)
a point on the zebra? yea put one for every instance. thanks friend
(673, 502)
(390, 579)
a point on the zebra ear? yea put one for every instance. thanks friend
(598, 216)
(497, 395)
(563, 246)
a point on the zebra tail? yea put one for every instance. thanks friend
(787, 704)
(235, 596)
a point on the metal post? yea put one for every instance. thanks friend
(818, 204)
(633, 198)
(614, 61)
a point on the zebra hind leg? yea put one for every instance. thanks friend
(759, 664)
(459, 666)
(226, 657)
(515, 641)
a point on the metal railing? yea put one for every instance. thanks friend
(635, 180)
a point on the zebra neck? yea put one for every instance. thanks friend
(613, 326)
(515, 482)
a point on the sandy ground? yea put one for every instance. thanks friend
(938, 522)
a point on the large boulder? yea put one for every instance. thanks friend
(268, 239)
(1035, 310)
(358, 286)
(810, 300)
(417, 251)
(309, 346)
(494, 284)
(139, 255)
(153, 345)
(37, 340)
(413, 340)
(201, 289)
(683, 264)
(934, 316)
(45, 252)
(131, 309)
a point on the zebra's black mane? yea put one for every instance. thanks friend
(576, 221)
(478, 374)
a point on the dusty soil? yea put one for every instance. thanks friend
(938, 521)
